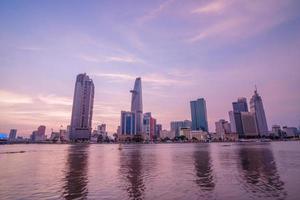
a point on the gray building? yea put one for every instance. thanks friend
(249, 124)
(256, 107)
(240, 105)
(236, 123)
(235, 116)
(199, 115)
(137, 105)
(175, 126)
(158, 130)
(82, 111)
(12, 134)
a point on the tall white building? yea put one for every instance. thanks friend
(82, 112)
(256, 107)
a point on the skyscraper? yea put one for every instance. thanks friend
(256, 107)
(39, 134)
(241, 105)
(249, 124)
(235, 116)
(12, 134)
(137, 105)
(82, 111)
(128, 123)
(236, 123)
(199, 115)
(149, 125)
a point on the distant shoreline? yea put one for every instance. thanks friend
(250, 141)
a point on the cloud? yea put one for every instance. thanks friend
(239, 19)
(212, 7)
(155, 12)
(153, 79)
(53, 99)
(7, 97)
(116, 76)
(107, 59)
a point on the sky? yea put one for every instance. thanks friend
(183, 50)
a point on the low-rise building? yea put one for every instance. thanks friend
(290, 131)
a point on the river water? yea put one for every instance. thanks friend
(151, 171)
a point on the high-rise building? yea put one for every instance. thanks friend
(240, 105)
(39, 134)
(199, 115)
(249, 124)
(175, 126)
(236, 124)
(128, 123)
(12, 134)
(158, 130)
(222, 127)
(149, 125)
(137, 105)
(235, 116)
(256, 107)
(82, 111)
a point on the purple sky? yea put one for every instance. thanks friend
(183, 50)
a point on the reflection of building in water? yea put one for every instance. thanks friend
(76, 178)
(203, 169)
(131, 169)
(259, 173)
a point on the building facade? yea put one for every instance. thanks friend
(235, 117)
(249, 124)
(39, 135)
(137, 105)
(149, 125)
(128, 123)
(158, 129)
(175, 126)
(256, 107)
(222, 128)
(12, 134)
(82, 111)
(240, 105)
(199, 115)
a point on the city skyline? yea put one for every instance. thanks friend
(179, 57)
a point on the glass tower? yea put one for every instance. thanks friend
(199, 115)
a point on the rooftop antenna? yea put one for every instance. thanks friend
(255, 88)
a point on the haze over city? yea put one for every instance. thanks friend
(183, 50)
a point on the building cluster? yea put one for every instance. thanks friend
(135, 125)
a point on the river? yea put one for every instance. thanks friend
(151, 171)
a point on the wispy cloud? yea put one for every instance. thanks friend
(116, 76)
(155, 79)
(8, 97)
(106, 59)
(212, 7)
(53, 99)
(239, 19)
(155, 12)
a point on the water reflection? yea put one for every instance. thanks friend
(259, 173)
(76, 179)
(131, 169)
(203, 168)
